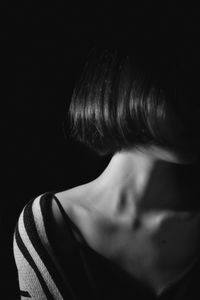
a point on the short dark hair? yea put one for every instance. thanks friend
(136, 95)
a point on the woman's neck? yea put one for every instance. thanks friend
(143, 180)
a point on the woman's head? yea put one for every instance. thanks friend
(137, 95)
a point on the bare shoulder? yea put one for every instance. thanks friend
(71, 199)
(78, 195)
(78, 204)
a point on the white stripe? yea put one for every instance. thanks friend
(39, 263)
(41, 230)
(28, 280)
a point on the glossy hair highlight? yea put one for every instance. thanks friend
(132, 98)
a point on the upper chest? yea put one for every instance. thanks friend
(160, 232)
(156, 252)
(156, 233)
(155, 248)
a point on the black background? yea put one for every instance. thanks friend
(43, 52)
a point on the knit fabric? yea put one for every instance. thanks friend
(45, 272)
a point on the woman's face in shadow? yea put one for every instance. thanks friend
(174, 185)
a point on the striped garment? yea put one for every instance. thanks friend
(77, 272)
(40, 272)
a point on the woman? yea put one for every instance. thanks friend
(133, 232)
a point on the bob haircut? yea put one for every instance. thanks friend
(137, 95)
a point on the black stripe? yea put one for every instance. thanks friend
(70, 256)
(25, 294)
(69, 222)
(30, 260)
(30, 227)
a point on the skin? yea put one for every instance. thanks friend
(140, 214)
